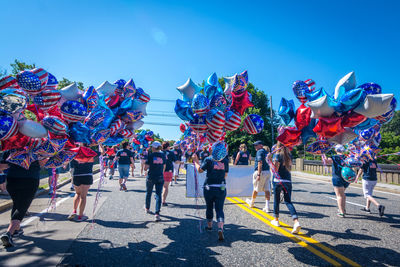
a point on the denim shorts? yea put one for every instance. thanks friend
(339, 182)
(123, 171)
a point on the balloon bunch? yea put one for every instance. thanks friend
(339, 119)
(39, 121)
(210, 111)
(141, 142)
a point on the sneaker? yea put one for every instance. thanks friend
(7, 240)
(147, 211)
(82, 218)
(366, 210)
(18, 233)
(157, 218)
(220, 235)
(124, 187)
(275, 223)
(72, 216)
(171, 184)
(165, 204)
(176, 182)
(121, 187)
(250, 203)
(266, 209)
(296, 228)
(341, 215)
(381, 209)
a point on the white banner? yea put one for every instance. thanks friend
(239, 182)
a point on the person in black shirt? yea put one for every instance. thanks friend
(155, 165)
(177, 165)
(243, 156)
(143, 158)
(82, 179)
(204, 154)
(22, 185)
(369, 180)
(217, 168)
(124, 158)
(168, 172)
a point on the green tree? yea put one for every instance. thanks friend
(390, 140)
(19, 66)
(3, 72)
(65, 82)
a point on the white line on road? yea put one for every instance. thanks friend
(46, 209)
(347, 202)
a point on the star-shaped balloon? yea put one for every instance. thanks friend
(183, 110)
(70, 92)
(352, 119)
(241, 82)
(375, 105)
(350, 100)
(344, 138)
(316, 94)
(289, 137)
(188, 90)
(286, 110)
(229, 81)
(345, 84)
(322, 107)
(106, 89)
(329, 127)
(241, 102)
(138, 105)
(212, 86)
(303, 117)
(21, 158)
(61, 159)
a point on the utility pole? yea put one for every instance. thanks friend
(272, 121)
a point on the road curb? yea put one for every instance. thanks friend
(8, 204)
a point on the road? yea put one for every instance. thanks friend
(123, 235)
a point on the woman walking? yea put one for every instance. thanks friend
(168, 172)
(125, 159)
(282, 164)
(83, 179)
(243, 156)
(217, 168)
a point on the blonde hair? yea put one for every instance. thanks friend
(285, 154)
(243, 147)
(266, 148)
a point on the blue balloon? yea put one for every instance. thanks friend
(286, 110)
(113, 140)
(366, 124)
(200, 104)
(350, 100)
(79, 132)
(150, 133)
(29, 81)
(218, 102)
(108, 115)
(300, 89)
(316, 94)
(367, 134)
(183, 110)
(126, 105)
(307, 132)
(212, 86)
(371, 88)
(219, 151)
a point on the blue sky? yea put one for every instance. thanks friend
(161, 43)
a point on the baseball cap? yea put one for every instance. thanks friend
(257, 143)
(156, 144)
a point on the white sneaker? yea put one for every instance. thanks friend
(250, 203)
(266, 209)
(275, 223)
(296, 228)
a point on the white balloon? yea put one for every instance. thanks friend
(344, 137)
(134, 125)
(188, 90)
(106, 89)
(32, 129)
(320, 107)
(70, 92)
(229, 81)
(345, 84)
(375, 105)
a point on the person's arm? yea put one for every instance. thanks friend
(259, 170)
(237, 158)
(102, 151)
(359, 173)
(197, 163)
(4, 166)
(326, 159)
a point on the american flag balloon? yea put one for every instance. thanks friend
(55, 125)
(200, 104)
(117, 125)
(133, 115)
(8, 82)
(30, 82)
(21, 158)
(232, 120)
(47, 99)
(142, 96)
(241, 81)
(90, 97)
(101, 136)
(52, 82)
(8, 127)
(42, 74)
(253, 124)
(129, 89)
(198, 124)
(310, 83)
(95, 118)
(120, 86)
(215, 119)
(213, 135)
(127, 133)
(73, 111)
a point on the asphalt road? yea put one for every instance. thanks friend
(123, 235)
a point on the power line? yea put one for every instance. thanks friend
(163, 100)
(161, 123)
(161, 115)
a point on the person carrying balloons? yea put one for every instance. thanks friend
(243, 156)
(124, 157)
(82, 179)
(282, 164)
(261, 176)
(155, 165)
(168, 172)
(339, 184)
(369, 180)
(217, 168)
(22, 185)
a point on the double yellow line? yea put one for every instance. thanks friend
(300, 238)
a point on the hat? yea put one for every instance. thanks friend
(156, 144)
(219, 151)
(257, 143)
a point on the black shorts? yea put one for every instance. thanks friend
(83, 180)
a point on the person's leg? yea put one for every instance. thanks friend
(208, 197)
(287, 195)
(165, 192)
(256, 185)
(77, 197)
(149, 190)
(159, 188)
(277, 199)
(340, 198)
(83, 197)
(267, 190)
(219, 208)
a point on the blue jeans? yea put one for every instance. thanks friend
(215, 197)
(150, 183)
(123, 171)
(287, 194)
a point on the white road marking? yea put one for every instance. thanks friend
(328, 182)
(347, 202)
(33, 218)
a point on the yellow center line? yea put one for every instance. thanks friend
(285, 233)
(305, 237)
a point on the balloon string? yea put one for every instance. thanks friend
(197, 196)
(98, 193)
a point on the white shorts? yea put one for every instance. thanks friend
(264, 184)
(368, 187)
(176, 169)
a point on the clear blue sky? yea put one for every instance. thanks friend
(161, 44)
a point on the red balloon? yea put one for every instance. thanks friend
(290, 136)
(240, 102)
(329, 127)
(182, 127)
(303, 117)
(84, 155)
(114, 100)
(17, 141)
(137, 142)
(352, 119)
(149, 138)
